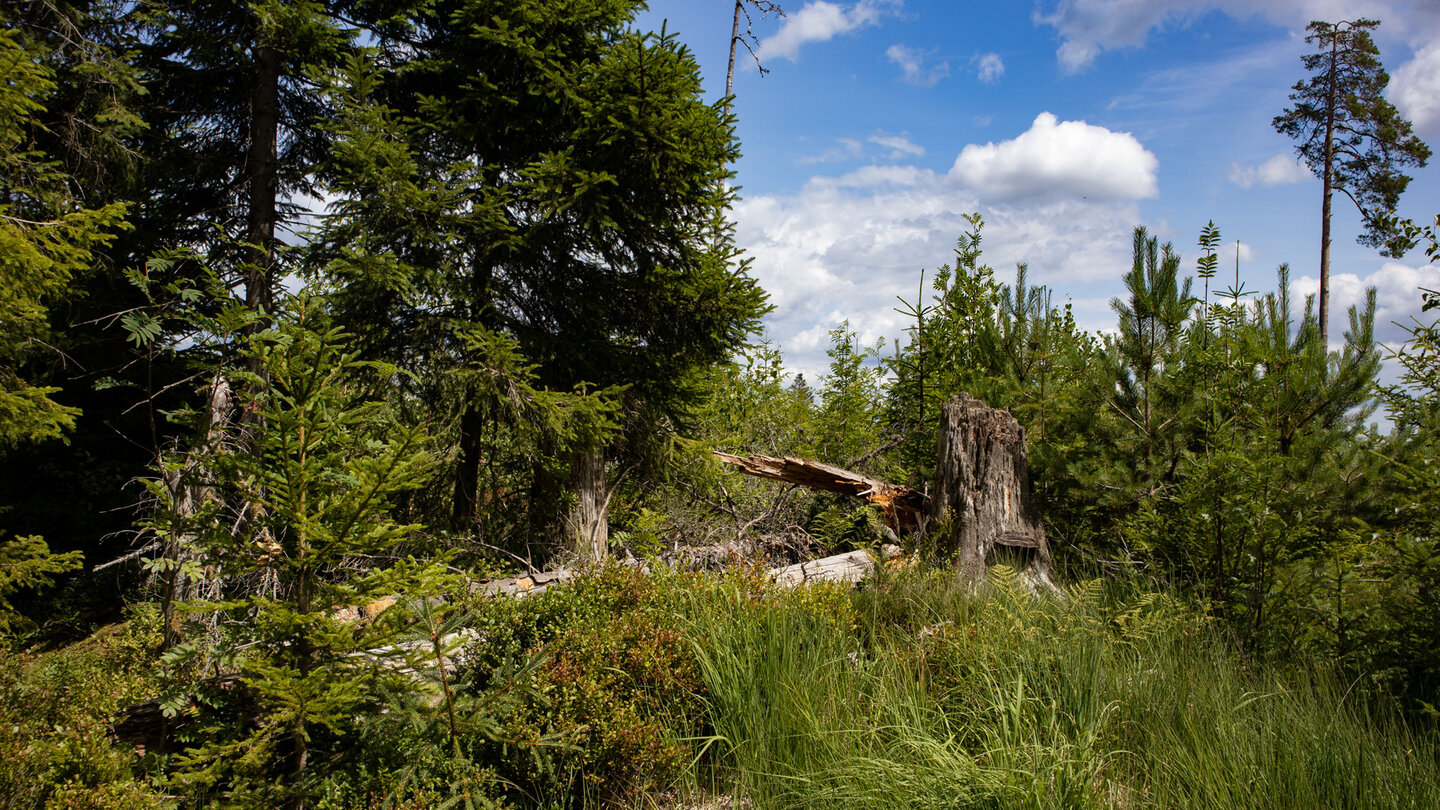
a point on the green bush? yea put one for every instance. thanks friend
(55, 711)
(618, 686)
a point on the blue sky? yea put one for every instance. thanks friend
(1065, 124)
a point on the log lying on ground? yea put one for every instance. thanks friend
(903, 506)
(850, 567)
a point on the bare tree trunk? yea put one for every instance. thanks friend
(734, 40)
(1325, 200)
(589, 522)
(263, 170)
(186, 496)
(983, 508)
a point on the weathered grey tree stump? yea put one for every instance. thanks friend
(983, 508)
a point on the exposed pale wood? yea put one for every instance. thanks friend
(982, 497)
(904, 506)
(850, 567)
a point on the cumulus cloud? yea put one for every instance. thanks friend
(913, 69)
(1397, 298)
(820, 21)
(1280, 170)
(1060, 159)
(989, 68)
(1089, 27)
(846, 247)
(1415, 90)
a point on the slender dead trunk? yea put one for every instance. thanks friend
(1325, 200)
(188, 491)
(588, 522)
(734, 40)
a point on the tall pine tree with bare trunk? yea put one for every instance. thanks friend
(1351, 137)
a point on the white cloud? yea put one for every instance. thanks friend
(1397, 298)
(1089, 27)
(1058, 159)
(843, 150)
(846, 247)
(892, 147)
(990, 68)
(1415, 90)
(913, 69)
(1279, 170)
(820, 21)
(899, 145)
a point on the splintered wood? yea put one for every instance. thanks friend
(901, 505)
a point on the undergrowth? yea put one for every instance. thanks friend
(625, 689)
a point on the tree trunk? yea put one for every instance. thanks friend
(901, 505)
(188, 487)
(465, 506)
(1329, 183)
(263, 173)
(983, 509)
(734, 40)
(588, 522)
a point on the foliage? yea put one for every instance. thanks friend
(54, 710)
(298, 528)
(26, 563)
(1349, 134)
(584, 220)
(46, 236)
(618, 681)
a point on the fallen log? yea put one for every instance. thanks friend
(903, 507)
(850, 567)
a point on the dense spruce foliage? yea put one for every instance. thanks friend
(318, 314)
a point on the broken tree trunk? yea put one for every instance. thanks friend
(588, 522)
(902, 506)
(983, 508)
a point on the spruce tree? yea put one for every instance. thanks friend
(549, 177)
(46, 236)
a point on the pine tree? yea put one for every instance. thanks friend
(1352, 138)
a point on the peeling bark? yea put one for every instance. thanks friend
(984, 508)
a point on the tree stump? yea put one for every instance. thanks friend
(983, 509)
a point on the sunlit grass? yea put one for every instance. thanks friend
(915, 693)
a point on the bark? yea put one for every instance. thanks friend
(983, 507)
(465, 503)
(734, 40)
(187, 493)
(588, 523)
(1329, 183)
(263, 171)
(902, 506)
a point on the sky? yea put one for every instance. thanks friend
(881, 123)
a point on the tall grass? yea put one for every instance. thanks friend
(913, 693)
